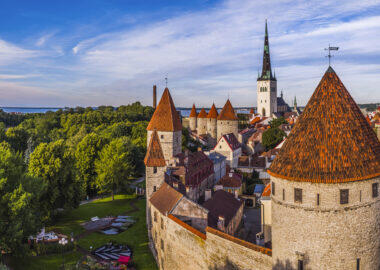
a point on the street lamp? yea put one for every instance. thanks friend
(63, 242)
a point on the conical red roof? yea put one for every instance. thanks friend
(227, 112)
(154, 156)
(193, 112)
(213, 113)
(331, 142)
(202, 114)
(165, 117)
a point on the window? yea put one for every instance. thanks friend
(283, 194)
(162, 244)
(273, 188)
(155, 216)
(360, 196)
(318, 199)
(162, 136)
(300, 264)
(358, 264)
(297, 195)
(343, 196)
(154, 169)
(154, 188)
(162, 223)
(375, 190)
(220, 147)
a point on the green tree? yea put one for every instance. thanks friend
(277, 122)
(17, 138)
(117, 161)
(20, 215)
(86, 154)
(272, 137)
(53, 162)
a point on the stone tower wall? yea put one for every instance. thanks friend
(171, 143)
(329, 235)
(153, 179)
(227, 126)
(212, 130)
(201, 126)
(268, 99)
(193, 123)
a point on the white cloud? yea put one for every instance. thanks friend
(209, 54)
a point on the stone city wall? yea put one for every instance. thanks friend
(180, 246)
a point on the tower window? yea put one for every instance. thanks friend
(162, 136)
(375, 190)
(318, 199)
(162, 244)
(273, 188)
(297, 195)
(162, 223)
(283, 194)
(360, 196)
(154, 188)
(154, 169)
(358, 264)
(155, 216)
(300, 264)
(343, 196)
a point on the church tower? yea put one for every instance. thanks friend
(266, 84)
(166, 121)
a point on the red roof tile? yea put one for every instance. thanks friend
(227, 112)
(231, 140)
(213, 113)
(202, 114)
(193, 112)
(165, 117)
(267, 191)
(154, 156)
(230, 181)
(331, 142)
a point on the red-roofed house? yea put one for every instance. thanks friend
(229, 146)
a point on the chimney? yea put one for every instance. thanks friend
(199, 149)
(221, 223)
(230, 174)
(154, 96)
(187, 190)
(207, 194)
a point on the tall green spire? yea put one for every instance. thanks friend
(266, 73)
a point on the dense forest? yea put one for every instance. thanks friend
(54, 160)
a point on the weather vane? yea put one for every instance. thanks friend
(330, 48)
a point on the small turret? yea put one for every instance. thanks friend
(193, 119)
(202, 122)
(212, 125)
(227, 121)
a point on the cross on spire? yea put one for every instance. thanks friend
(166, 80)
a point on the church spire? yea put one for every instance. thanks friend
(266, 73)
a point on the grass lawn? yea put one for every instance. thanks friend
(70, 221)
(135, 237)
(48, 262)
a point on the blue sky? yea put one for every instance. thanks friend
(95, 52)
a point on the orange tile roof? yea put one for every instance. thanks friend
(193, 112)
(238, 241)
(165, 117)
(252, 111)
(202, 114)
(255, 120)
(213, 113)
(227, 112)
(165, 198)
(154, 156)
(267, 191)
(331, 141)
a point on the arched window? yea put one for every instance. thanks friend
(263, 114)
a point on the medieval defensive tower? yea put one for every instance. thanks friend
(325, 186)
(167, 123)
(227, 121)
(193, 118)
(212, 125)
(266, 84)
(202, 122)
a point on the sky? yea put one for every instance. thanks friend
(111, 52)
